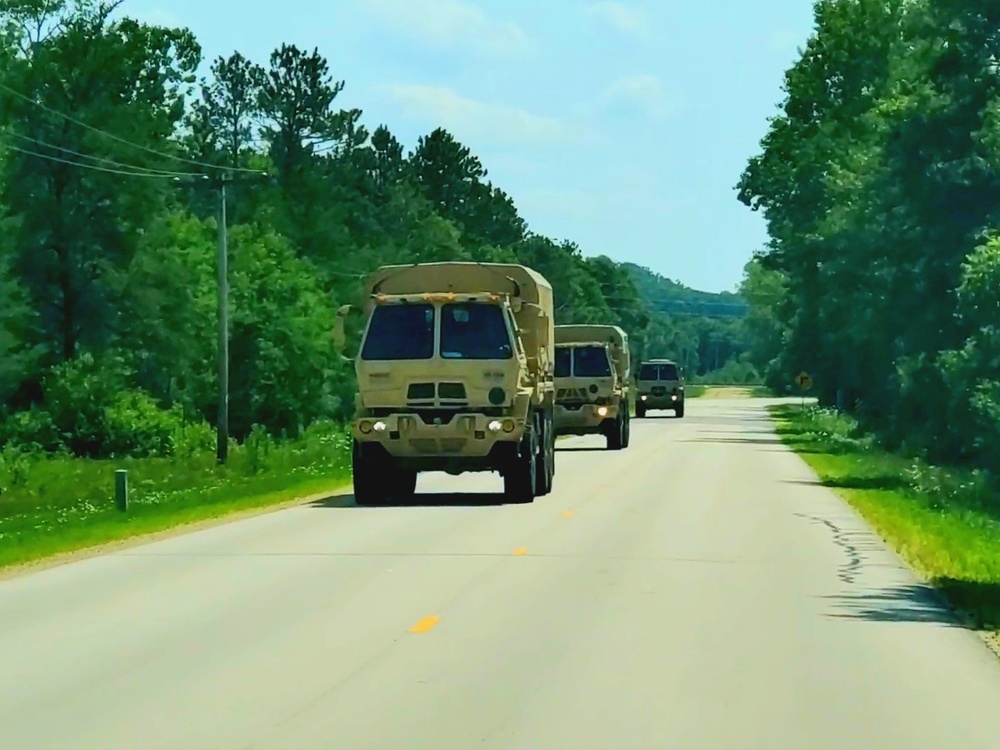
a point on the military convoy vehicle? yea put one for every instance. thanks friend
(455, 373)
(659, 385)
(593, 382)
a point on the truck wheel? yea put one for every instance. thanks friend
(616, 435)
(679, 411)
(404, 483)
(628, 429)
(640, 410)
(370, 487)
(547, 467)
(519, 481)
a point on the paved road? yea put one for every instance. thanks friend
(692, 592)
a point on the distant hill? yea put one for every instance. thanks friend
(669, 296)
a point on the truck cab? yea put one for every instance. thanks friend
(592, 383)
(454, 373)
(659, 385)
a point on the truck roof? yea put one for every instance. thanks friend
(589, 333)
(463, 277)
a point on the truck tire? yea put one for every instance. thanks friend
(519, 481)
(679, 411)
(370, 486)
(403, 483)
(640, 410)
(546, 467)
(616, 435)
(628, 428)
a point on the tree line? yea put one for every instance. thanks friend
(879, 178)
(112, 149)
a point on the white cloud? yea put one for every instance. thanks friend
(449, 23)
(475, 119)
(640, 91)
(620, 17)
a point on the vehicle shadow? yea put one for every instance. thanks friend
(580, 448)
(421, 500)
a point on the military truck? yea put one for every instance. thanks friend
(659, 385)
(455, 373)
(593, 382)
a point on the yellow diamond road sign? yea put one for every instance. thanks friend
(804, 381)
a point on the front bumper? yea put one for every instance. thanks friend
(667, 401)
(583, 416)
(466, 435)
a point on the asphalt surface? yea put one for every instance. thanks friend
(694, 591)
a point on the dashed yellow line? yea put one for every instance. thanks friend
(568, 514)
(521, 551)
(425, 624)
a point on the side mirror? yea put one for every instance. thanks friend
(339, 336)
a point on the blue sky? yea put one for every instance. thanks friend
(623, 126)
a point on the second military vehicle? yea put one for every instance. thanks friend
(592, 382)
(455, 373)
(659, 385)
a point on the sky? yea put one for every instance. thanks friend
(622, 126)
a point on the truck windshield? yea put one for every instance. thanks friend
(591, 362)
(474, 330)
(658, 372)
(400, 331)
(564, 361)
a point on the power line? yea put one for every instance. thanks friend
(112, 162)
(87, 166)
(195, 162)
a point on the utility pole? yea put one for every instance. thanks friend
(222, 423)
(222, 417)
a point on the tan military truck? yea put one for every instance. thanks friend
(659, 385)
(455, 373)
(593, 382)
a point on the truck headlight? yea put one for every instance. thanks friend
(602, 411)
(379, 426)
(494, 426)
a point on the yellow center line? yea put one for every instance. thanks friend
(568, 514)
(425, 624)
(521, 551)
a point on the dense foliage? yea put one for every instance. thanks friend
(880, 182)
(111, 155)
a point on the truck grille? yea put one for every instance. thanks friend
(451, 392)
(420, 392)
(572, 394)
(659, 390)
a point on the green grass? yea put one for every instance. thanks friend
(944, 522)
(707, 390)
(56, 504)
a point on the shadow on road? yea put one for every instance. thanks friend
(978, 603)
(886, 482)
(580, 448)
(735, 440)
(421, 500)
(910, 603)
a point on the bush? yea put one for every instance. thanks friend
(135, 426)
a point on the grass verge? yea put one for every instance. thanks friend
(944, 522)
(700, 390)
(56, 504)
